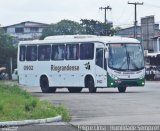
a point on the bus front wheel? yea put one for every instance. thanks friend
(75, 89)
(122, 89)
(45, 85)
(89, 83)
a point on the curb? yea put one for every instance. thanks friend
(30, 122)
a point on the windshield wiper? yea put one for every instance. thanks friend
(128, 58)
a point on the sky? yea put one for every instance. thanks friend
(53, 11)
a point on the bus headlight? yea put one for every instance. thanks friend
(141, 77)
(111, 84)
(114, 77)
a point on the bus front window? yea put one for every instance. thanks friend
(126, 57)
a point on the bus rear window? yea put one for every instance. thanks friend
(31, 54)
(87, 51)
(22, 55)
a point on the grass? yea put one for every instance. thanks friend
(17, 104)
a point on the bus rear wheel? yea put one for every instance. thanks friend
(122, 89)
(75, 89)
(89, 83)
(44, 84)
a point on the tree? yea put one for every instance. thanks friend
(117, 29)
(64, 27)
(94, 27)
(7, 50)
(68, 27)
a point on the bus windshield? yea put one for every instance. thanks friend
(126, 57)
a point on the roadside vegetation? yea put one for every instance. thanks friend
(17, 104)
(7, 51)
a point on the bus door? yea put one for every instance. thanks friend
(101, 68)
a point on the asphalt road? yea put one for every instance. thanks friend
(139, 105)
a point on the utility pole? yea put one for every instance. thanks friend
(105, 10)
(135, 22)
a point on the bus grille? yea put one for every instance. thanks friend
(129, 82)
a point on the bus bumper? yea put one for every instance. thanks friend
(111, 82)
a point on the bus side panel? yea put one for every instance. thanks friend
(70, 73)
(28, 73)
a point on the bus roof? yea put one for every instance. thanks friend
(81, 38)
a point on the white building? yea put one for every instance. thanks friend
(27, 30)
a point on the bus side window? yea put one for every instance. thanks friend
(58, 52)
(22, 53)
(44, 52)
(31, 54)
(99, 57)
(61, 52)
(86, 51)
(72, 52)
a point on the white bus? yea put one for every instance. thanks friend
(81, 61)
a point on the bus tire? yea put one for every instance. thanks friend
(44, 84)
(122, 89)
(75, 89)
(89, 83)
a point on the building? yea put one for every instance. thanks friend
(129, 32)
(156, 44)
(27, 30)
(149, 30)
(145, 33)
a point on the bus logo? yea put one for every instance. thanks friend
(87, 66)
